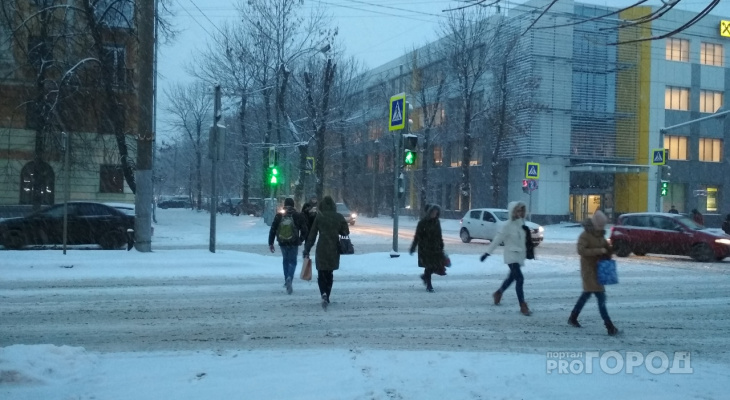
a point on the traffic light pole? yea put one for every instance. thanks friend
(397, 166)
(214, 168)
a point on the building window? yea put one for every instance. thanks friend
(710, 101)
(438, 156)
(677, 146)
(114, 13)
(678, 49)
(37, 180)
(710, 150)
(476, 153)
(371, 162)
(676, 98)
(381, 163)
(711, 199)
(111, 179)
(375, 130)
(455, 153)
(114, 65)
(712, 54)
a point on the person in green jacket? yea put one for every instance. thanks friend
(430, 243)
(329, 225)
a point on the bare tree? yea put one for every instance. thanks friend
(428, 88)
(190, 107)
(470, 38)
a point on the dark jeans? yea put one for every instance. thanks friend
(325, 280)
(289, 254)
(600, 296)
(515, 274)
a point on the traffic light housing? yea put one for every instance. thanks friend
(410, 146)
(664, 188)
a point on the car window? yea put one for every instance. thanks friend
(489, 217)
(475, 214)
(637, 220)
(690, 223)
(342, 209)
(659, 222)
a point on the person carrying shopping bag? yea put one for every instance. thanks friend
(329, 225)
(430, 244)
(515, 251)
(592, 247)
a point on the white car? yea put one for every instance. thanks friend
(485, 223)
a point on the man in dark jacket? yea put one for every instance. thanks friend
(309, 211)
(290, 230)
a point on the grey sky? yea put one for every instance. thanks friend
(374, 31)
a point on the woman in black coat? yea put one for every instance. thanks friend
(430, 244)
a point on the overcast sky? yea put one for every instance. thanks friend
(373, 31)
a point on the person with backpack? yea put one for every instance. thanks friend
(290, 230)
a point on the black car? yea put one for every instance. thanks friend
(88, 223)
(174, 203)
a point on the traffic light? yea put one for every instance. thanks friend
(664, 188)
(410, 144)
(273, 176)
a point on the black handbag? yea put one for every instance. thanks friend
(344, 246)
(529, 246)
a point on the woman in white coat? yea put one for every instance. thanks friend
(515, 251)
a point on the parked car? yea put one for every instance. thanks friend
(665, 233)
(350, 217)
(88, 223)
(485, 223)
(174, 203)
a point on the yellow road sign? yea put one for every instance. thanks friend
(397, 115)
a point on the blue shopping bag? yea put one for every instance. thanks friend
(607, 274)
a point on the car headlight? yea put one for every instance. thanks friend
(353, 215)
(723, 241)
(541, 229)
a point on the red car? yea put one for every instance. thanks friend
(665, 233)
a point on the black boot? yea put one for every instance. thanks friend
(573, 320)
(612, 330)
(427, 280)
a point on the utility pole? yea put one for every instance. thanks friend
(214, 153)
(146, 135)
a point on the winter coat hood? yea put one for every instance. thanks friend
(513, 205)
(327, 204)
(429, 208)
(591, 229)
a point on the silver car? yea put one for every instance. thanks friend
(485, 223)
(350, 217)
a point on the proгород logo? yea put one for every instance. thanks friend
(614, 362)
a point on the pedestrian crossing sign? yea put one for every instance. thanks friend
(658, 156)
(396, 118)
(532, 170)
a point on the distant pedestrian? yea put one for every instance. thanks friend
(430, 244)
(309, 210)
(697, 217)
(290, 230)
(515, 251)
(726, 224)
(329, 225)
(593, 247)
(673, 210)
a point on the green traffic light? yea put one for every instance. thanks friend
(273, 174)
(410, 158)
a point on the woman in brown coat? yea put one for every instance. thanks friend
(592, 247)
(329, 225)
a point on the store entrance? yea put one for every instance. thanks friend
(583, 206)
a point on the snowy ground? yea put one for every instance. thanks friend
(183, 323)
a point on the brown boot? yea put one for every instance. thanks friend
(612, 330)
(497, 297)
(573, 320)
(524, 310)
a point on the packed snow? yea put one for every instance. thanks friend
(355, 350)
